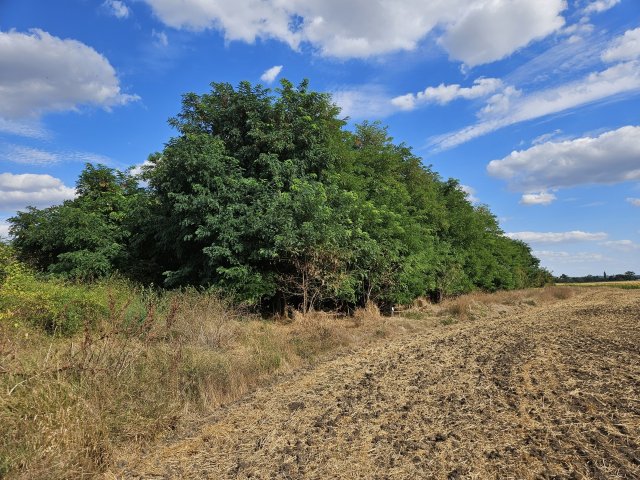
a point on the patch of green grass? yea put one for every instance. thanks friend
(448, 320)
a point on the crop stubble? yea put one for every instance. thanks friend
(550, 392)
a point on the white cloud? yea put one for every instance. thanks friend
(361, 29)
(566, 257)
(622, 245)
(117, 8)
(626, 47)
(557, 237)
(598, 6)
(29, 156)
(489, 31)
(545, 137)
(513, 106)
(244, 20)
(160, 38)
(634, 201)
(369, 102)
(443, 94)
(31, 129)
(4, 230)
(34, 156)
(270, 74)
(542, 198)
(19, 191)
(470, 192)
(612, 157)
(42, 73)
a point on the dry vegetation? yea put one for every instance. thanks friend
(624, 284)
(75, 407)
(543, 387)
(67, 404)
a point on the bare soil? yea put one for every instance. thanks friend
(542, 392)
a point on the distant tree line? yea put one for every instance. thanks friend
(629, 275)
(268, 198)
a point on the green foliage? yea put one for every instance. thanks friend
(61, 307)
(53, 305)
(85, 238)
(267, 198)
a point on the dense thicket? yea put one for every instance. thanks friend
(270, 199)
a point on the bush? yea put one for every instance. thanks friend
(60, 307)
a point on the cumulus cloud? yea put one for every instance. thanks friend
(513, 106)
(542, 198)
(4, 230)
(35, 156)
(117, 8)
(626, 47)
(621, 245)
(598, 6)
(360, 29)
(612, 157)
(475, 40)
(244, 20)
(41, 73)
(270, 74)
(443, 94)
(22, 190)
(634, 201)
(557, 237)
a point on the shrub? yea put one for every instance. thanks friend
(63, 308)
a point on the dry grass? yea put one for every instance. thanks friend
(478, 305)
(624, 284)
(67, 404)
(549, 391)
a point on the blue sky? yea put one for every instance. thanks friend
(533, 105)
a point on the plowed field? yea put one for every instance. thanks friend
(552, 391)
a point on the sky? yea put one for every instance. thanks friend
(534, 105)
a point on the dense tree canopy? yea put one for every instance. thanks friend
(270, 199)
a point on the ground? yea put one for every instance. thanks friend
(550, 391)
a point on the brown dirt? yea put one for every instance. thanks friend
(549, 392)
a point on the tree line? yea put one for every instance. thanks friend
(618, 277)
(267, 197)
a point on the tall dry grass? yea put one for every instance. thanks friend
(477, 305)
(68, 403)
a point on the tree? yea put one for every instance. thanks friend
(83, 238)
(267, 197)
